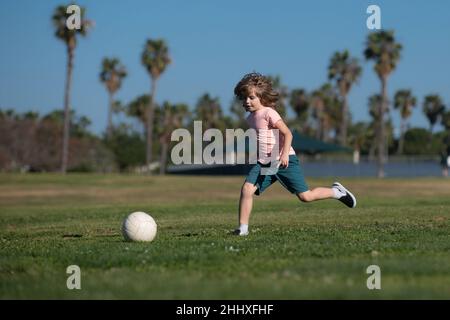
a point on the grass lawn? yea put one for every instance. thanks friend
(295, 250)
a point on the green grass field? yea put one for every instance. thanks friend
(295, 251)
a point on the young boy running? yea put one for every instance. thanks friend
(259, 98)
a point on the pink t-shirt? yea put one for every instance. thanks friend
(263, 121)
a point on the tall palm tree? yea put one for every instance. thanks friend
(111, 75)
(155, 58)
(433, 109)
(346, 71)
(382, 48)
(405, 101)
(69, 37)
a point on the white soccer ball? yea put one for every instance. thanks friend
(139, 226)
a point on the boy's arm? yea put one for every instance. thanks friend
(284, 158)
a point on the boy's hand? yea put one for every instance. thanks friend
(284, 160)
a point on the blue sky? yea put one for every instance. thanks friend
(212, 44)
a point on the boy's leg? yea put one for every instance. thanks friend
(245, 208)
(246, 202)
(316, 194)
(337, 191)
(255, 183)
(292, 178)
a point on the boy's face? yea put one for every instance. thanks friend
(251, 102)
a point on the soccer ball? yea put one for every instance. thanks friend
(139, 226)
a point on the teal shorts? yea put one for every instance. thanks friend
(291, 177)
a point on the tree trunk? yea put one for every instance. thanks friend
(150, 120)
(65, 146)
(318, 129)
(382, 133)
(374, 146)
(164, 149)
(318, 122)
(344, 123)
(402, 137)
(110, 111)
(430, 136)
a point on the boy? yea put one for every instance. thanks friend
(259, 98)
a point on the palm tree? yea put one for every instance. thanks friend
(69, 37)
(171, 118)
(405, 101)
(446, 121)
(359, 134)
(112, 75)
(318, 111)
(346, 71)
(209, 111)
(433, 109)
(137, 108)
(385, 51)
(324, 102)
(300, 102)
(375, 101)
(155, 58)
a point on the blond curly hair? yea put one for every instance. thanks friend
(262, 86)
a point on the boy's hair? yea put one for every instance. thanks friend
(262, 86)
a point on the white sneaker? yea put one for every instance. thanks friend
(238, 232)
(348, 198)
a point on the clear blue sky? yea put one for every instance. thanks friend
(212, 44)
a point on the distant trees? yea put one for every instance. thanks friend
(345, 70)
(209, 111)
(32, 142)
(325, 110)
(382, 48)
(137, 108)
(171, 117)
(155, 58)
(111, 75)
(238, 113)
(446, 121)
(283, 92)
(128, 147)
(360, 136)
(69, 37)
(43, 142)
(433, 109)
(419, 142)
(299, 101)
(403, 101)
